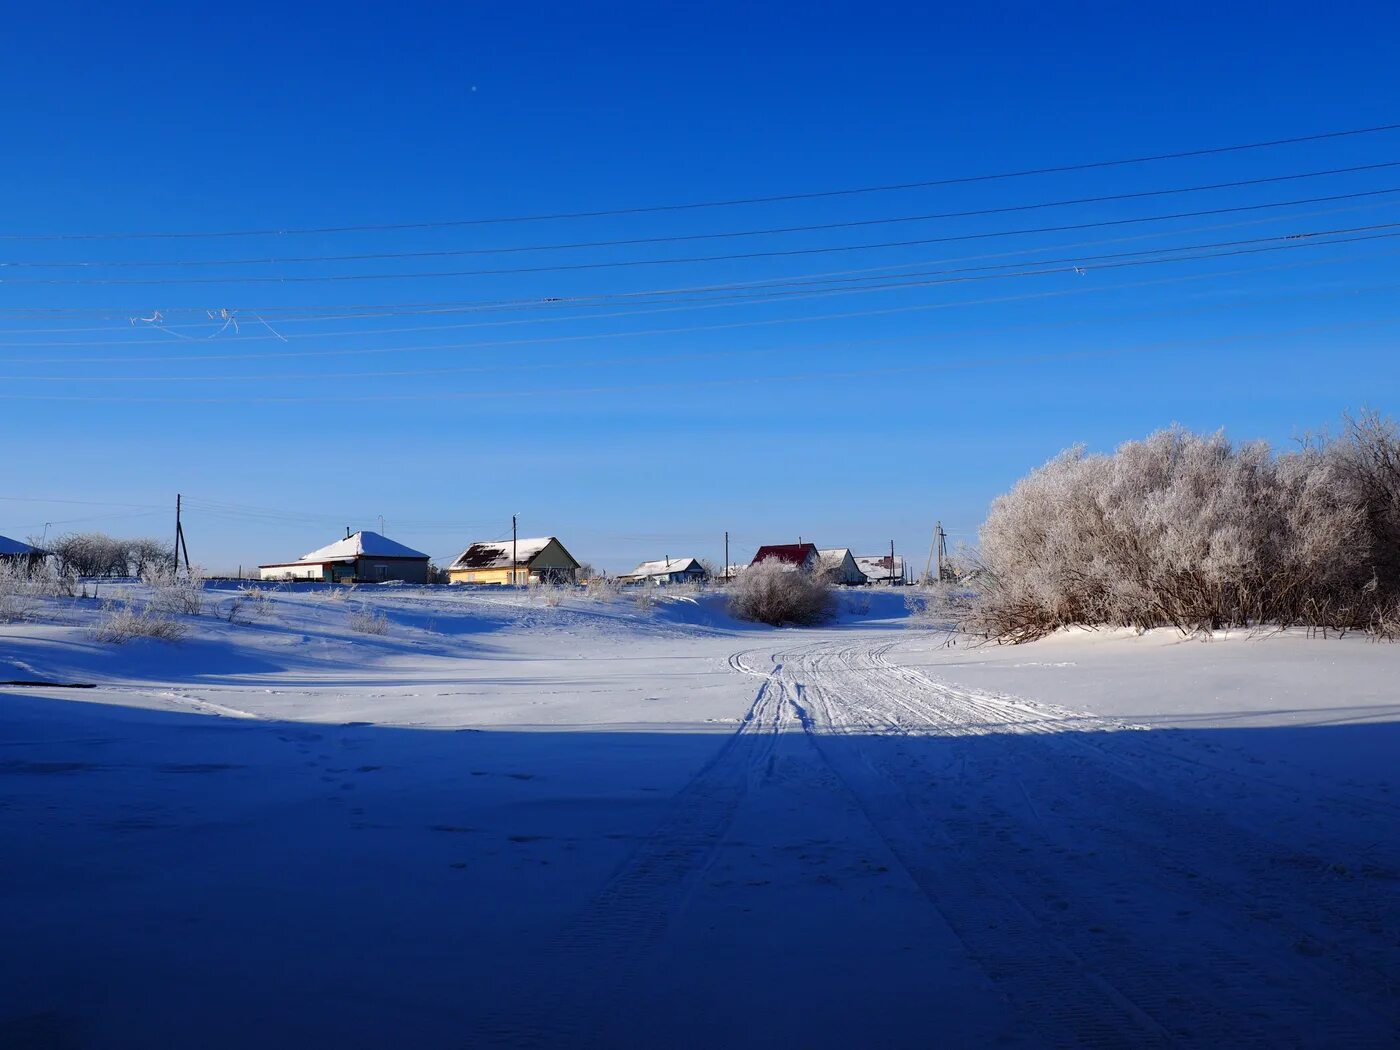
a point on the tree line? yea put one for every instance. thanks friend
(1191, 531)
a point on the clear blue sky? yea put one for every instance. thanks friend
(646, 424)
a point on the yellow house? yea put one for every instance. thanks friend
(503, 562)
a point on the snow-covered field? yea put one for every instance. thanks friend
(511, 823)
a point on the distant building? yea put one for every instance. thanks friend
(16, 552)
(838, 565)
(667, 570)
(365, 557)
(798, 555)
(492, 561)
(878, 568)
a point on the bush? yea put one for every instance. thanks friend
(122, 621)
(22, 585)
(174, 593)
(779, 594)
(250, 603)
(1190, 531)
(601, 588)
(367, 622)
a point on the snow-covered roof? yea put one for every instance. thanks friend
(665, 566)
(366, 544)
(9, 546)
(496, 554)
(877, 566)
(832, 557)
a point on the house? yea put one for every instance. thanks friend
(364, 557)
(798, 555)
(878, 569)
(838, 565)
(667, 570)
(16, 552)
(514, 561)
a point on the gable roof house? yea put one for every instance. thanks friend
(667, 570)
(365, 557)
(490, 561)
(878, 569)
(798, 555)
(838, 565)
(16, 552)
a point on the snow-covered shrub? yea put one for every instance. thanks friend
(174, 592)
(601, 588)
(23, 585)
(366, 621)
(124, 620)
(1190, 531)
(779, 594)
(249, 604)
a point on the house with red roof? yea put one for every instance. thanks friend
(799, 555)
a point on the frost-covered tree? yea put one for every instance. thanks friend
(1189, 530)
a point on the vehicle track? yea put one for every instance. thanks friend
(578, 983)
(1108, 852)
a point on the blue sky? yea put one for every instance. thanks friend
(634, 419)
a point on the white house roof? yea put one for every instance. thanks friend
(833, 556)
(9, 546)
(496, 554)
(368, 544)
(877, 566)
(666, 566)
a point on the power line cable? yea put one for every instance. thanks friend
(689, 237)
(607, 264)
(693, 297)
(863, 373)
(1294, 242)
(724, 203)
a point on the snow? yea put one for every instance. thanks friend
(662, 567)
(369, 544)
(638, 822)
(501, 551)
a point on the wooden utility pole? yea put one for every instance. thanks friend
(513, 560)
(943, 568)
(180, 538)
(726, 555)
(891, 561)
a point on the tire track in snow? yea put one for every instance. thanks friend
(579, 981)
(1174, 853)
(1050, 987)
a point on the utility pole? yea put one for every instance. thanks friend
(381, 524)
(513, 560)
(180, 538)
(891, 561)
(942, 552)
(726, 555)
(928, 565)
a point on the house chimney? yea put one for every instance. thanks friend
(347, 532)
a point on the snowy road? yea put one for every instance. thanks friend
(521, 826)
(1105, 886)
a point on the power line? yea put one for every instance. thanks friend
(688, 237)
(803, 376)
(471, 305)
(792, 289)
(627, 263)
(1297, 241)
(725, 203)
